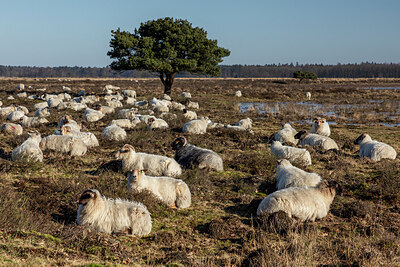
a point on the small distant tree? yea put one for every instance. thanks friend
(166, 46)
(304, 75)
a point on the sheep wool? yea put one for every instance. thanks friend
(156, 124)
(286, 135)
(292, 154)
(373, 149)
(114, 133)
(196, 126)
(89, 139)
(64, 144)
(29, 150)
(245, 123)
(288, 175)
(321, 127)
(316, 140)
(11, 128)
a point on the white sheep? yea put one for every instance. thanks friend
(129, 93)
(156, 124)
(189, 115)
(308, 95)
(303, 203)
(293, 154)
(238, 128)
(196, 126)
(29, 150)
(173, 192)
(126, 123)
(76, 106)
(64, 144)
(11, 128)
(321, 127)
(145, 118)
(92, 115)
(316, 140)
(286, 135)
(114, 133)
(32, 121)
(111, 87)
(67, 120)
(288, 175)
(22, 95)
(246, 123)
(16, 115)
(54, 102)
(177, 106)
(190, 156)
(238, 93)
(89, 139)
(154, 164)
(373, 149)
(114, 103)
(186, 95)
(129, 100)
(127, 113)
(112, 215)
(190, 104)
(21, 86)
(141, 104)
(42, 112)
(166, 97)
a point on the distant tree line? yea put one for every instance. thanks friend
(362, 70)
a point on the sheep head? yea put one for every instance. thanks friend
(135, 175)
(284, 162)
(67, 119)
(179, 143)
(301, 135)
(65, 130)
(34, 134)
(150, 120)
(124, 151)
(84, 197)
(361, 138)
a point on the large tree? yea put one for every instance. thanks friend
(166, 46)
(304, 75)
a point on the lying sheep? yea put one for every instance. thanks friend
(145, 118)
(129, 93)
(114, 103)
(114, 133)
(303, 203)
(168, 116)
(154, 164)
(42, 112)
(127, 113)
(245, 123)
(190, 156)
(173, 192)
(6, 111)
(288, 175)
(29, 150)
(54, 102)
(190, 104)
(238, 93)
(186, 95)
(32, 121)
(129, 100)
(373, 149)
(166, 97)
(316, 140)
(196, 126)
(177, 106)
(126, 123)
(292, 154)
(67, 120)
(64, 144)
(238, 128)
(11, 128)
(112, 215)
(111, 87)
(189, 115)
(321, 127)
(308, 95)
(156, 124)
(107, 110)
(15, 115)
(286, 135)
(89, 139)
(92, 115)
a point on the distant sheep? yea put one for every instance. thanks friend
(316, 140)
(64, 144)
(190, 104)
(166, 97)
(129, 93)
(186, 95)
(92, 115)
(112, 215)
(129, 100)
(177, 106)
(292, 154)
(114, 133)
(127, 113)
(21, 86)
(196, 126)
(156, 124)
(88, 138)
(32, 121)
(67, 120)
(42, 112)
(246, 123)
(107, 110)
(126, 123)
(189, 115)
(238, 93)
(286, 135)
(154, 164)
(303, 203)
(308, 95)
(321, 127)
(11, 128)
(190, 156)
(114, 103)
(29, 150)
(173, 192)
(288, 175)
(373, 149)
(111, 87)
(238, 128)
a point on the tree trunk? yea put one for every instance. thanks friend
(167, 81)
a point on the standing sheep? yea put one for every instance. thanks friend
(109, 216)
(373, 149)
(288, 175)
(316, 140)
(29, 150)
(292, 154)
(173, 192)
(308, 95)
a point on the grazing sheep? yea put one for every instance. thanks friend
(126, 123)
(190, 104)
(31, 121)
(173, 192)
(11, 128)
(112, 215)
(245, 123)
(154, 164)
(92, 115)
(186, 95)
(308, 95)
(42, 112)
(304, 203)
(129, 93)
(292, 154)
(373, 149)
(288, 175)
(29, 150)
(196, 126)
(321, 127)
(316, 140)
(189, 115)
(89, 139)
(64, 144)
(238, 93)
(286, 135)
(114, 133)
(156, 124)
(190, 156)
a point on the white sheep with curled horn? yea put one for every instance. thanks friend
(373, 149)
(109, 216)
(173, 192)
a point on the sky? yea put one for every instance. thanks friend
(257, 32)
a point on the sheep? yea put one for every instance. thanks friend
(173, 192)
(215, 125)
(21, 86)
(316, 140)
(22, 95)
(107, 110)
(16, 115)
(75, 106)
(31, 121)
(177, 106)
(373, 149)
(238, 93)
(91, 99)
(308, 95)
(111, 87)
(246, 123)
(190, 104)
(154, 164)
(189, 115)
(288, 175)
(127, 113)
(145, 118)
(29, 150)
(293, 154)
(286, 135)
(11, 128)
(238, 128)
(117, 96)
(64, 144)
(141, 104)
(92, 115)
(54, 102)
(6, 111)
(186, 95)
(114, 103)
(166, 97)
(126, 123)
(23, 109)
(89, 139)
(114, 133)
(42, 112)
(112, 215)
(190, 156)
(196, 126)
(10, 97)
(168, 116)
(129, 93)
(129, 100)
(1, 103)
(156, 124)
(321, 127)
(67, 120)
(303, 203)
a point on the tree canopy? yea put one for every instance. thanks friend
(166, 46)
(304, 75)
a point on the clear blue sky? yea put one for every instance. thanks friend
(77, 32)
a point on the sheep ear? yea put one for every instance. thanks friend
(84, 197)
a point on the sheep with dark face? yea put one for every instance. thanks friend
(373, 149)
(190, 156)
(316, 140)
(112, 215)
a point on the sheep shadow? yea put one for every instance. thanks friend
(65, 216)
(113, 165)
